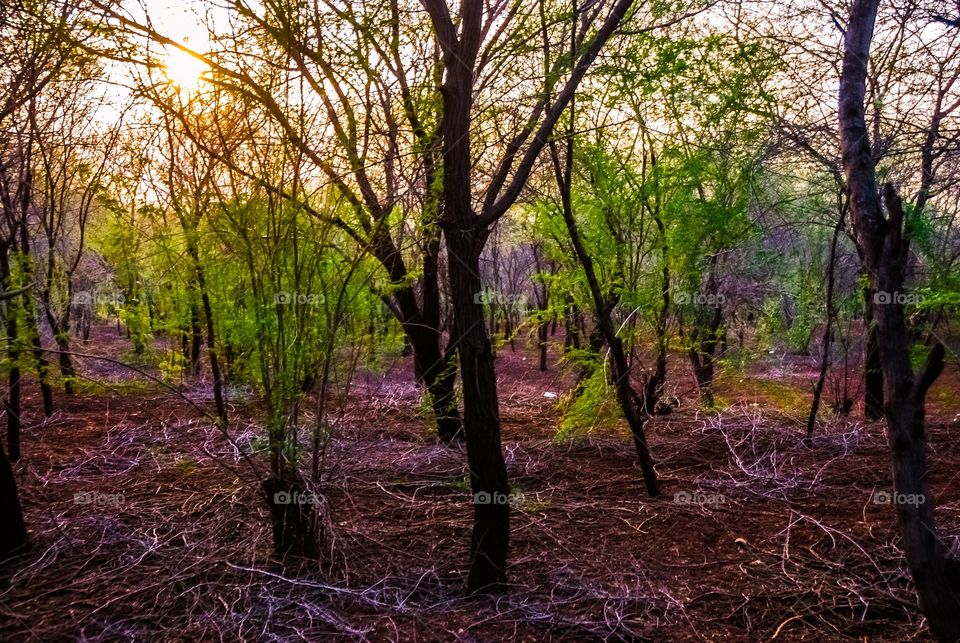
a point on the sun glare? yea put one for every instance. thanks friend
(183, 70)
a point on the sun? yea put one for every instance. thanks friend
(183, 70)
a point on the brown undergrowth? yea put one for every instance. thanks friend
(147, 526)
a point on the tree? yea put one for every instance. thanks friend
(71, 158)
(466, 230)
(32, 53)
(885, 241)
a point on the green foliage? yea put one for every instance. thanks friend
(592, 406)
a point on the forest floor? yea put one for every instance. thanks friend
(146, 526)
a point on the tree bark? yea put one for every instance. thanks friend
(465, 232)
(12, 402)
(13, 535)
(488, 472)
(885, 243)
(828, 330)
(872, 370)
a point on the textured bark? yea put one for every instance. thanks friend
(488, 473)
(465, 232)
(884, 243)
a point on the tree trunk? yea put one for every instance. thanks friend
(465, 233)
(702, 352)
(630, 402)
(885, 245)
(872, 370)
(43, 367)
(218, 383)
(196, 339)
(293, 518)
(481, 420)
(653, 391)
(828, 331)
(464, 239)
(12, 402)
(13, 535)
(421, 324)
(542, 330)
(439, 377)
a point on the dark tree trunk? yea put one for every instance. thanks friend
(43, 364)
(885, 244)
(293, 518)
(43, 368)
(872, 369)
(196, 340)
(218, 383)
(439, 376)
(488, 473)
(11, 403)
(33, 325)
(630, 402)
(542, 330)
(421, 324)
(13, 535)
(66, 364)
(61, 336)
(481, 417)
(828, 330)
(653, 391)
(465, 233)
(702, 353)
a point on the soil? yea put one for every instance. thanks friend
(147, 525)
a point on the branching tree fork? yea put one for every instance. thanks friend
(885, 242)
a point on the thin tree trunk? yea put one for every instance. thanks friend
(542, 334)
(196, 339)
(653, 391)
(33, 325)
(626, 396)
(872, 370)
(43, 365)
(828, 331)
(218, 384)
(12, 402)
